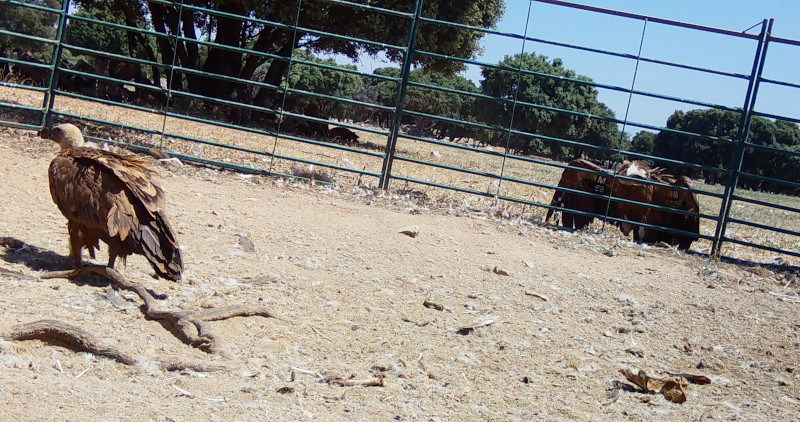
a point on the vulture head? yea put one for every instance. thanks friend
(634, 169)
(67, 135)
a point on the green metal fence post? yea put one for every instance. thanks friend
(738, 154)
(391, 144)
(49, 96)
(174, 40)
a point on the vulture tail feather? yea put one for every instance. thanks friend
(160, 247)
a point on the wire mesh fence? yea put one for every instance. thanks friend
(270, 91)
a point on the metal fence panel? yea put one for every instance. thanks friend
(277, 124)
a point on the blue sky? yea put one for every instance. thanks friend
(662, 42)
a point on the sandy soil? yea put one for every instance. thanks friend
(572, 311)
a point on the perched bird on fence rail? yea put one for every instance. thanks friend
(114, 198)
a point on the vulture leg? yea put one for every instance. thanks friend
(556, 201)
(113, 254)
(75, 244)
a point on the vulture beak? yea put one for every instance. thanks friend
(45, 133)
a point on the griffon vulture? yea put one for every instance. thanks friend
(634, 190)
(113, 198)
(680, 199)
(582, 181)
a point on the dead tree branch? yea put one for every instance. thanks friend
(67, 335)
(190, 326)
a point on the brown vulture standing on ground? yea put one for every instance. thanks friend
(113, 198)
(633, 190)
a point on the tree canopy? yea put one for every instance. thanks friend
(27, 21)
(644, 142)
(259, 25)
(549, 89)
(707, 137)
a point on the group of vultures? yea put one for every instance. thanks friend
(633, 192)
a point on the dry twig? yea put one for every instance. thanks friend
(368, 382)
(433, 305)
(537, 295)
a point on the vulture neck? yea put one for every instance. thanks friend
(72, 143)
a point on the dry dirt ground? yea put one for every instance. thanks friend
(572, 311)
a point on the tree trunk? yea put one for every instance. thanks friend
(222, 61)
(159, 18)
(276, 72)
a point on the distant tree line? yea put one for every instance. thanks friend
(708, 136)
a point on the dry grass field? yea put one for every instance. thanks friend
(234, 144)
(372, 321)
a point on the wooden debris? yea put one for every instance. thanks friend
(499, 271)
(418, 324)
(376, 381)
(265, 279)
(410, 231)
(786, 298)
(191, 326)
(694, 379)
(476, 324)
(433, 305)
(305, 371)
(536, 295)
(182, 391)
(15, 274)
(63, 334)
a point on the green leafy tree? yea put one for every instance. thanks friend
(707, 140)
(549, 89)
(25, 20)
(431, 101)
(439, 102)
(387, 90)
(230, 32)
(385, 93)
(111, 39)
(97, 36)
(781, 135)
(708, 136)
(644, 142)
(322, 80)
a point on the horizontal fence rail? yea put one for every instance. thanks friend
(280, 102)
